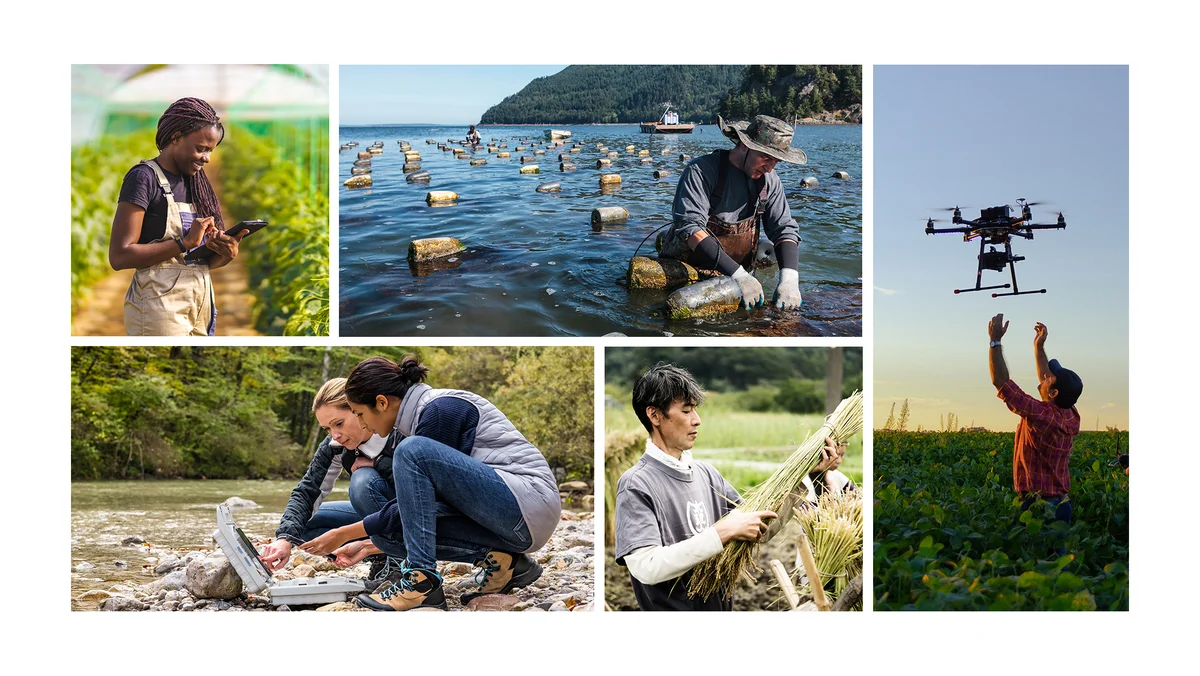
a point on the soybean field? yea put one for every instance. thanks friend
(950, 533)
(533, 266)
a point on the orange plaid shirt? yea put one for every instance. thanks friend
(1042, 447)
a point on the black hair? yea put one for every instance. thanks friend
(661, 386)
(182, 118)
(378, 375)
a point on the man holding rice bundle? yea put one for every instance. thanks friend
(1047, 431)
(724, 199)
(674, 512)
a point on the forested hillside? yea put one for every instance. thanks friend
(617, 94)
(246, 412)
(789, 92)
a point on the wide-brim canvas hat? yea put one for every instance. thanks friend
(768, 135)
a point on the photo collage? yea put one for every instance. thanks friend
(599, 339)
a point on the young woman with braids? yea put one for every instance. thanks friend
(167, 207)
(367, 458)
(469, 488)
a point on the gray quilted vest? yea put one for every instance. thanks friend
(500, 446)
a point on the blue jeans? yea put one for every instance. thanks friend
(452, 507)
(369, 492)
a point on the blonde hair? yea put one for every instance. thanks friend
(332, 393)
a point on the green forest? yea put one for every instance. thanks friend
(789, 92)
(617, 94)
(635, 94)
(783, 379)
(246, 412)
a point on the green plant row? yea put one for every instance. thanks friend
(289, 261)
(950, 533)
(97, 169)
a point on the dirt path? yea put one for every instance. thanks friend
(102, 313)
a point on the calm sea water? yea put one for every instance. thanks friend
(534, 267)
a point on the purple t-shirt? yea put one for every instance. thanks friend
(140, 187)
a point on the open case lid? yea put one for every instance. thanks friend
(240, 552)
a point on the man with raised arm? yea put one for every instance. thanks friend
(1047, 430)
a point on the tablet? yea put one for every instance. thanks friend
(203, 253)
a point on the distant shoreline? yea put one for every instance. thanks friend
(558, 125)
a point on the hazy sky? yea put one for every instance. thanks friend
(983, 136)
(428, 94)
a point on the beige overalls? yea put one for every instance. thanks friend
(173, 298)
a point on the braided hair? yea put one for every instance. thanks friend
(182, 118)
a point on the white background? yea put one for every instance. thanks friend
(42, 40)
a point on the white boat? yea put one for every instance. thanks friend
(552, 134)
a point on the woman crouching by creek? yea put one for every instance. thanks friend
(367, 458)
(469, 488)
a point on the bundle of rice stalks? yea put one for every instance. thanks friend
(835, 532)
(719, 574)
(621, 451)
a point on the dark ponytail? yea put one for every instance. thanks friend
(377, 375)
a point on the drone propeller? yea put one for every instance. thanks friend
(949, 208)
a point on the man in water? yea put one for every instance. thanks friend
(674, 512)
(726, 197)
(1047, 430)
(473, 136)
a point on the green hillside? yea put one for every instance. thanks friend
(828, 93)
(618, 94)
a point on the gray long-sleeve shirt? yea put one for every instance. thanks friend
(699, 179)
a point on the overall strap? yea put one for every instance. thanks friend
(162, 180)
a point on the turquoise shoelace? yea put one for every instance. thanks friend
(490, 565)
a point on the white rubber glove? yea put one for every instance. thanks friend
(752, 292)
(787, 292)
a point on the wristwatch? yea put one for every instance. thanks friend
(182, 248)
(994, 343)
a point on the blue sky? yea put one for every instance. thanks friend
(428, 94)
(982, 136)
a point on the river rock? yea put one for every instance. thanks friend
(457, 568)
(493, 602)
(133, 540)
(168, 563)
(121, 604)
(303, 570)
(176, 579)
(82, 566)
(573, 486)
(557, 607)
(578, 541)
(343, 607)
(212, 578)
(94, 595)
(301, 557)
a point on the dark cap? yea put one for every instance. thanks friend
(1068, 384)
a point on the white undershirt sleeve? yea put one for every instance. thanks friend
(655, 564)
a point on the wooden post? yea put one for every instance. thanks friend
(810, 569)
(833, 380)
(785, 583)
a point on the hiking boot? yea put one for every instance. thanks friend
(382, 569)
(502, 572)
(411, 588)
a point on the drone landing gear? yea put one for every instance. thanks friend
(996, 260)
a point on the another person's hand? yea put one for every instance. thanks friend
(224, 245)
(746, 526)
(1039, 335)
(349, 554)
(195, 235)
(787, 292)
(752, 291)
(276, 554)
(324, 544)
(997, 326)
(831, 457)
(360, 462)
